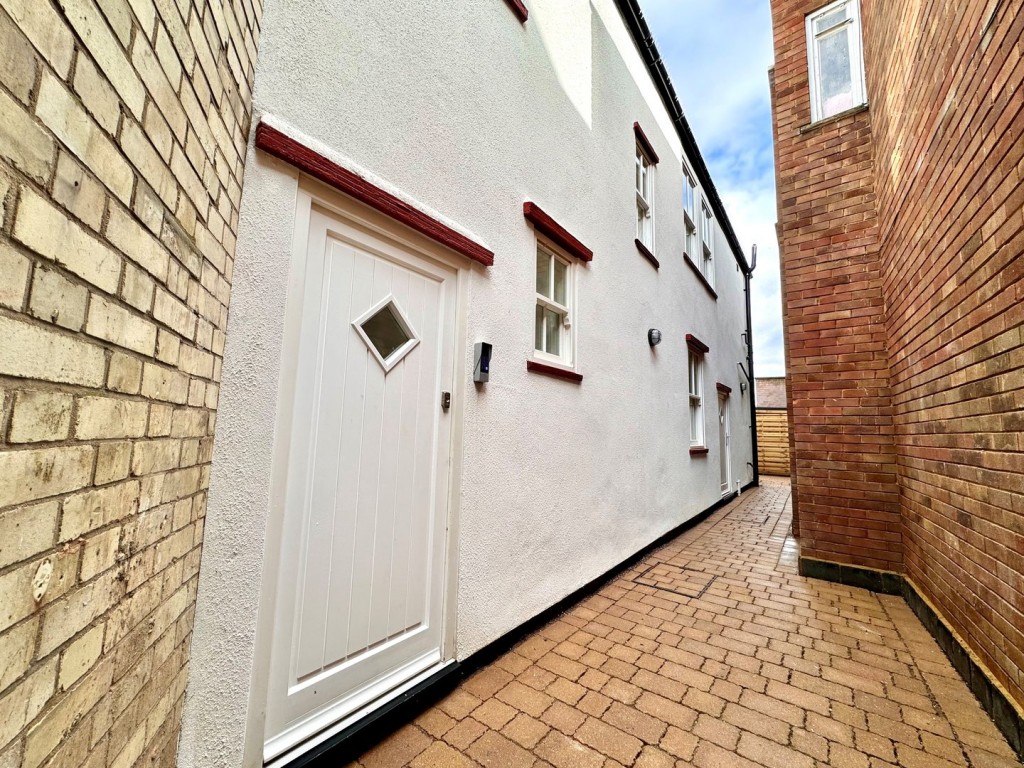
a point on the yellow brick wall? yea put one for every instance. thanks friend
(123, 126)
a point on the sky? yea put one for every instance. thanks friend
(718, 55)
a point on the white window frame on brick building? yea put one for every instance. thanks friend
(554, 344)
(827, 28)
(707, 236)
(690, 213)
(644, 199)
(695, 368)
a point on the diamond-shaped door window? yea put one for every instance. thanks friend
(386, 332)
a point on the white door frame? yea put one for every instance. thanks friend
(725, 440)
(355, 214)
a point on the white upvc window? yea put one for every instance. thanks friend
(690, 212)
(696, 391)
(835, 59)
(707, 236)
(555, 299)
(644, 200)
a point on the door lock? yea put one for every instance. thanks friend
(446, 400)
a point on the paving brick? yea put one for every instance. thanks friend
(494, 750)
(563, 752)
(525, 730)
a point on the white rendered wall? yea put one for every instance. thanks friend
(460, 107)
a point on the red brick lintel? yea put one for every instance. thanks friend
(696, 344)
(556, 232)
(645, 145)
(561, 237)
(310, 162)
(725, 389)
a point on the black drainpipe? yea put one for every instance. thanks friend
(747, 275)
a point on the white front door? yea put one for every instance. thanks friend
(360, 590)
(723, 443)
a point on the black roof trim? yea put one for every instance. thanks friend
(644, 40)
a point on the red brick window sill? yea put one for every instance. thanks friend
(554, 371)
(698, 450)
(646, 253)
(519, 9)
(700, 276)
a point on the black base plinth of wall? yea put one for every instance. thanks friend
(992, 699)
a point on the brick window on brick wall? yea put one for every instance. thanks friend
(123, 130)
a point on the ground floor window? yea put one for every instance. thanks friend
(552, 329)
(696, 386)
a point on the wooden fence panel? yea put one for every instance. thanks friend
(773, 441)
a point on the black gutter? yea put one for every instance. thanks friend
(747, 275)
(644, 40)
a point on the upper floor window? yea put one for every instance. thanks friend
(835, 59)
(552, 331)
(707, 235)
(690, 212)
(644, 200)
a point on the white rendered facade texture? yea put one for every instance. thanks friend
(375, 514)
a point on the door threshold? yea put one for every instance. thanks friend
(307, 751)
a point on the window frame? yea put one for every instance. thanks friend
(644, 178)
(567, 333)
(689, 212)
(707, 242)
(695, 399)
(856, 43)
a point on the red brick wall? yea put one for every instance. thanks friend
(904, 313)
(844, 462)
(948, 117)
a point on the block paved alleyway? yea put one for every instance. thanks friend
(714, 652)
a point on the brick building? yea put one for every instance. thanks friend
(123, 129)
(898, 140)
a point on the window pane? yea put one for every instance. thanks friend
(831, 19)
(553, 328)
(543, 273)
(385, 332)
(639, 173)
(538, 334)
(836, 81)
(560, 282)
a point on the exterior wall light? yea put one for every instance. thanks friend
(654, 337)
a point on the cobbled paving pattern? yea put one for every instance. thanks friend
(713, 652)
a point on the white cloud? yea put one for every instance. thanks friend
(718, 55)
